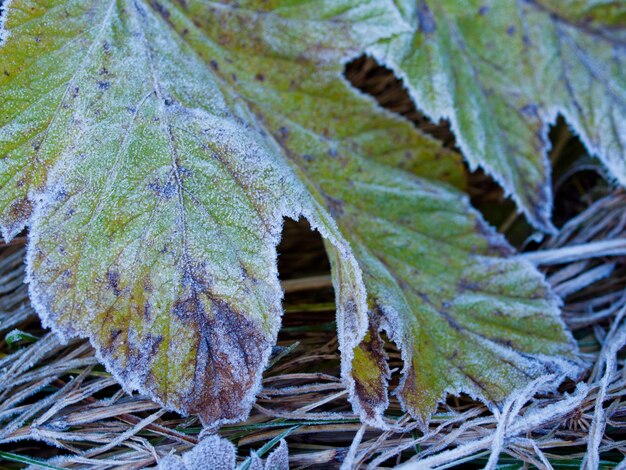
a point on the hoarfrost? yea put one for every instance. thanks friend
(127, 246)
(500, 107)
(216, 453)
(159, 162)
(277, 460)
(211, 453)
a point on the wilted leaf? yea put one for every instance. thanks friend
(155, 147)
(502, 70)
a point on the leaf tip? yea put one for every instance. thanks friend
(14, 218)
(371, 374)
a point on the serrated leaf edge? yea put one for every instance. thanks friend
(540, 219)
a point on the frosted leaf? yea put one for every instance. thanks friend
(467, 316)
(154, 148)
(502, 70)
(211, 453)
(216, 453)
(155, 190)
(278, 459)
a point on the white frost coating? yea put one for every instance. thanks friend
(278, 459)
(537, 362)
(569, 254)
(586, 66)
(584, 280)
(617, 172)
(349, 336)
(352, 313)
(397, 310)
(395, 326)
(348, 282)
(531, 420)
(36, 351)
(349, 287)
(616, 340)
(37, 297)
(350, 296)
(64, 335)
(511, 409)
(444, 109)
(349, 459)
(4, 12)
(211, 453)
(216, 453)
(41, 302)
(351, 319)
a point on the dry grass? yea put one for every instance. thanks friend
(58, 405)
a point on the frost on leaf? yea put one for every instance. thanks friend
(212, 452)
(154, 148)
(467, 315)
(133, 144)
(502, 70)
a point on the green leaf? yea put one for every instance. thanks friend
(154, 148)
(467, 315)
(16, 336)
(26, 460)
(158, 191)
(212, 451)
(502, 70)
